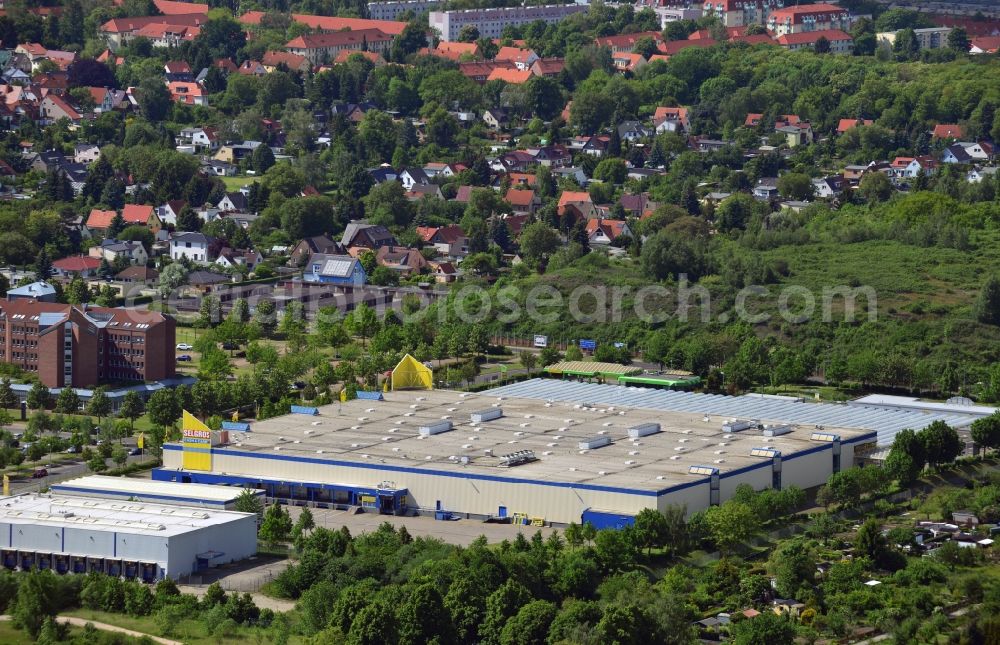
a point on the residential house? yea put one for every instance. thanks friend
(910, 167)
(189, 93)
(512, 76)
(139, 274)
(634, 130)
(808, 18)
(522, 201)
(448, 240)
(236, 152)
(839, 41)
(86, 153)
(637, 205)
(193, 246)
(479, 71)
(671, 119)
(828, 187)
(234, 202)
(572, 172)
(238, 258)
(178, 70)
(579, 200)
(766, 188)
(383, 173)
(495, 118)
(967, 152)
(520, 58)
(453, 50)
(272, 61)
(205, 281)
(846, 124)
(553, 156)
(985, 45)
(596, 145)
(111, 250)
(219, 168)
(796, 134)
(320, 48)
(514, 160)
(625, 43)
(411, 177)
(369, 236)
(444, 272)
(548, 67)
(168, 212)
(402, 259)
(82, 265)
(252, 68)
(53, 108)
(437, 169)
(628, 62)
(606, 231)
(345, 55)
(40, 291)
(200, 139)
(947, 131)
(976, 174)
(419, 191)
(309, 246)
(134, 215)
(335, 269)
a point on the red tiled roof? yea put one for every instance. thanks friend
(847, 124)
(338, 39)
(345, 54)
(807, 37)
(514, 54)
(517, 197)
(137, 213)
(612, 227)
(947, 131)
(329, 23)
(77, 263)
(798, 13)
(172, 8)
(675, 46)
(989, 44)
(514, 76)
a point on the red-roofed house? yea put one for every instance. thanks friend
(840, 42)
(522, 201)
(808, 17)
(627, 62)
(172, 8)
(513, 76)
(671, 119)
(985, 45)
(187, 93)
(739, 13)
(604, 231)
(134, 215)
(53, 107)
(453, 50)
(520, 58)
(449, 240)
(946, 131)
(293, 62)
(549, 67)
(323, 47)
(345, 54)
(84, 265)
(578, 199)
(847, 124)
(625, 43)
(332, 24)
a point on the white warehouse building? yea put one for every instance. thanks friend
(141, 541)
(146, 490)
(558, 451)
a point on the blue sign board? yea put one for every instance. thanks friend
(588, 344)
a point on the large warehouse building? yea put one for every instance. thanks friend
(147, 490)
(559, 451)
(144, 541)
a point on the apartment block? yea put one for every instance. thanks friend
(808, 17)
(81, 346)
(739, 13)
(491, 22)
(392, 9)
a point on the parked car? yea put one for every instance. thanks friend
(228, 345)
(185, 346)
(72, 450)
(38, 473)
(135, 451)
(184, 357)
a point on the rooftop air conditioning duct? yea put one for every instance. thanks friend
(435, 428)
(595, 442)
(482, 416)
(643, 430)
(736, 425)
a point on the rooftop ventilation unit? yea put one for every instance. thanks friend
(770, 453)
(736, 425)
(828, 437)
(703, 470)
(482, 416)
(517, 458)
(777, 430)
(595, 442)
(435, 428)
(643, 430)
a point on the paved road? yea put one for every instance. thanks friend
(81, 622)
(59, 473)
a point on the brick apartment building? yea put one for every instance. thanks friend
(81, 346)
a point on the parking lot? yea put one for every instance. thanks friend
(461, 532)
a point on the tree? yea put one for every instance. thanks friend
(987, 307)
(941, 443)
(248, 501)
(276, 525)
(68, 402)
(188, 221)
(304, 524)
(822, 45)
(468, 34)
(422, 618)
(261, 159)
(131, 408)
(265, 318)
(537, 242)
(502, 605)
(97, 464)
(611, 171)
(214, 365)
(99, 404)
(154, 99)
(651, 528)
(8, 399)
(986, 431)
(958, 40)
(530, 624)
(119, 455)
(39, 397)
(645, 46)
(766, 629)
(412, 38)
(795, 185)
(36, 601)
(731, 524)
(163, 408)
(528, 360)
(875, 187)
(363, 322)
(43, 266)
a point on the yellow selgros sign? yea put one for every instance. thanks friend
(197, 443)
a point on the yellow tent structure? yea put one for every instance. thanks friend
(411, 373)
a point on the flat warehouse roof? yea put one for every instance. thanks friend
(140, 518)
(387, 434)
(103, 484)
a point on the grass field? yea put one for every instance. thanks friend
(233, 184)
(190, 631)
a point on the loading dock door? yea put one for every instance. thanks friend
(502, 511)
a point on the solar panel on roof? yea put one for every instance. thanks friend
(339, 268)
